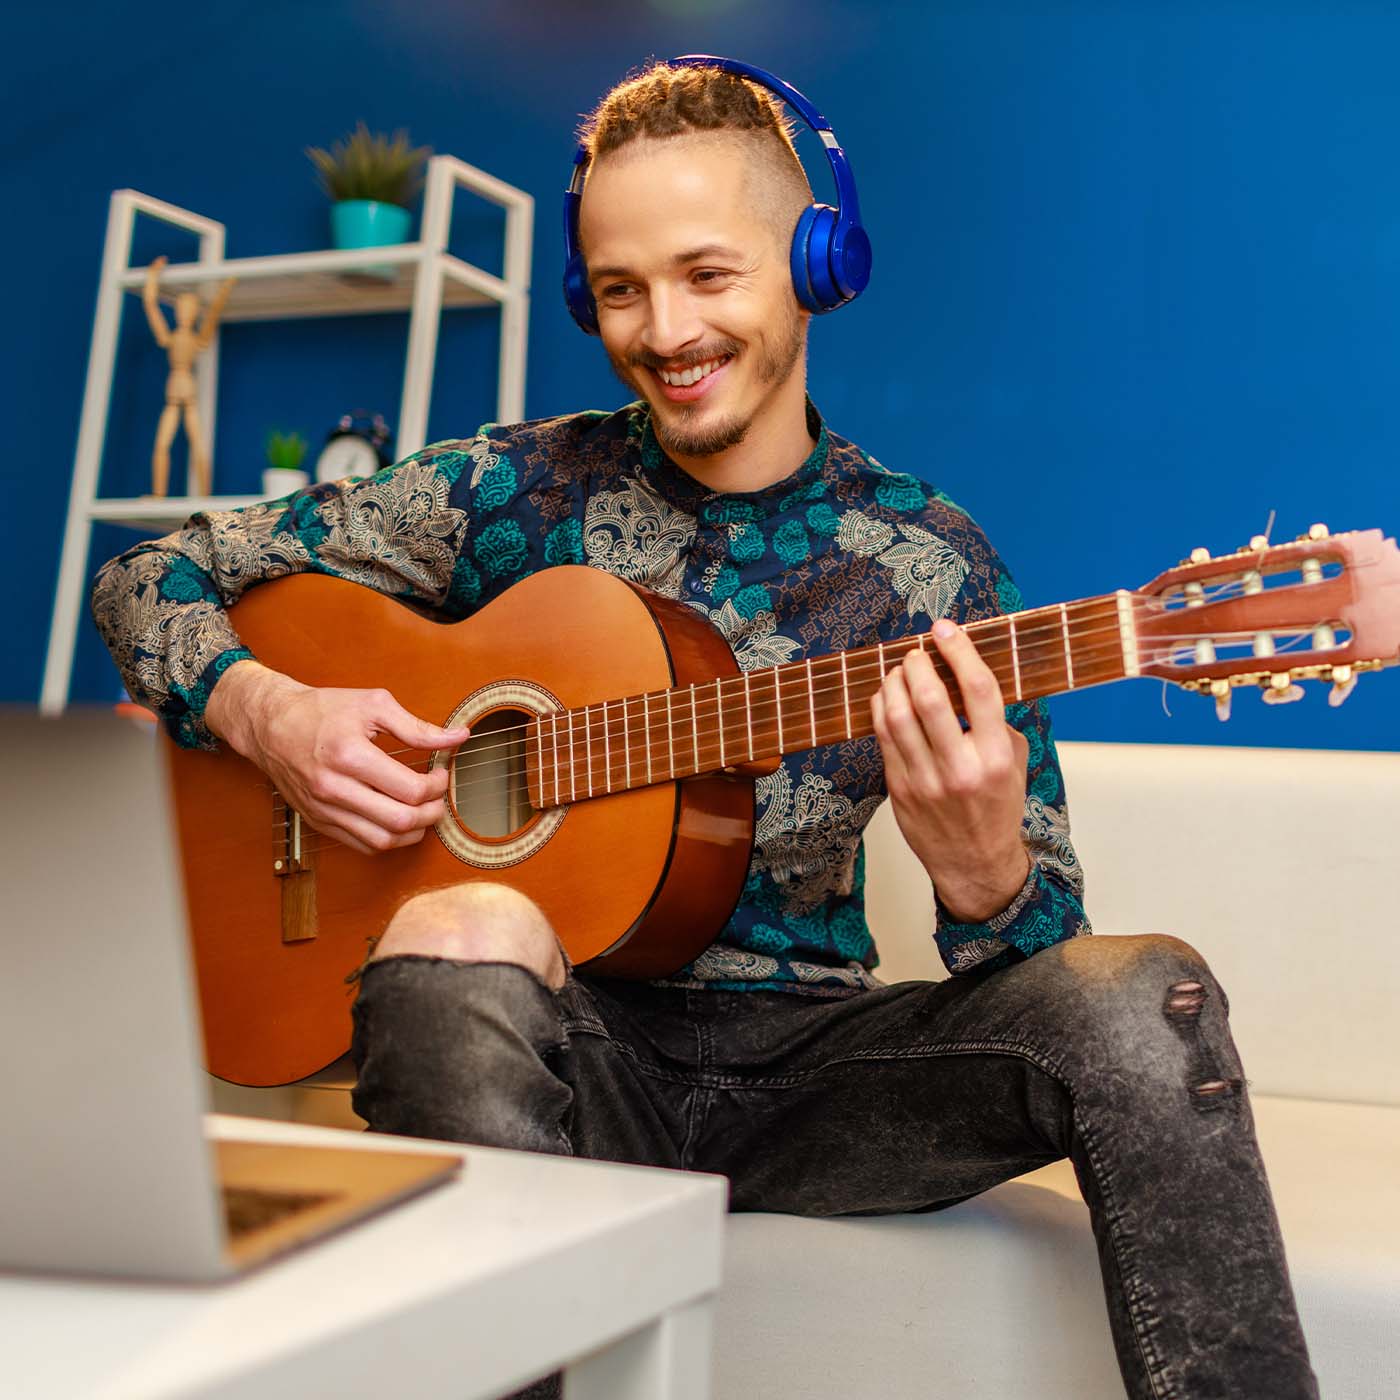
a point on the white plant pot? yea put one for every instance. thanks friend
(282, 481)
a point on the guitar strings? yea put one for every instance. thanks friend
(1030, 640)
(894, 652)
(586, 769)
(707, 708)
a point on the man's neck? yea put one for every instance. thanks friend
(777, 443)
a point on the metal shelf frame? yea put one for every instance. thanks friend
(420, 278)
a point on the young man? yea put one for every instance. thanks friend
(775, 1057)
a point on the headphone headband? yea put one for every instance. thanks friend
(830, 257)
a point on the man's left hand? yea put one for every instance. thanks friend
(959, 794)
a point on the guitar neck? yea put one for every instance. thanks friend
(734, 721)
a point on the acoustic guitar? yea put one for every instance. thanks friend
(615, 740)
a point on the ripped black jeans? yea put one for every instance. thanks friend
(1114, 1052)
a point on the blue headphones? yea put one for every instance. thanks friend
(830, 256)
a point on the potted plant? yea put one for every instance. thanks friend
(372, 179)
(283, 473)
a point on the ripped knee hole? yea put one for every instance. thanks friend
(1184, 1000)
(1215, 1088)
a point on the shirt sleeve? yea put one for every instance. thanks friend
(1049, 907)
(160, 606)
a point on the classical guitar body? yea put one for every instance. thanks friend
(636, 882)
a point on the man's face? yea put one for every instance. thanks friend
(694, 295)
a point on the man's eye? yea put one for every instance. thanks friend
(616, 290)
(708, 274)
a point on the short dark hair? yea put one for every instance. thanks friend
(660, 101)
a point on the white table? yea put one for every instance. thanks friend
(522, 1265)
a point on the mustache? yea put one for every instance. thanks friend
(646, 359)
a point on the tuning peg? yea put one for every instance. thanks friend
(1199, 555)
(1281, 691)
(1343, 683)
(1259, 542)
(1318, 532)
(1221, 690)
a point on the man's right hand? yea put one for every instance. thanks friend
(317, 746)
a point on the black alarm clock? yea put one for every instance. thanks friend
(359, 445)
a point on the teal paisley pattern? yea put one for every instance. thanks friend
(840, 554)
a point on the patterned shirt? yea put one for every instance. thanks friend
(840, 554)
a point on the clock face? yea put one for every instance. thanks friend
(346, 456)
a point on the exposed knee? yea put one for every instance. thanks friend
(1116, 987)
(1153, 963)
(477, 922)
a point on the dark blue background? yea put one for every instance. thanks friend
(1137, 274)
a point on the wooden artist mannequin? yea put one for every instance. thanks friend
(184, 344)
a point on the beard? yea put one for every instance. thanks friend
(682, 432)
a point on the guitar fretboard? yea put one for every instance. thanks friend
(732, 721)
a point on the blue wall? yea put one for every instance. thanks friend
(1137, 264)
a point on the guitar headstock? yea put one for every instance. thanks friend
(1322, 607)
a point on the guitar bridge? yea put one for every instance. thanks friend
(292, 865)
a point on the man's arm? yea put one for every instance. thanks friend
(160, 608)
(983, 808)
(959, 794)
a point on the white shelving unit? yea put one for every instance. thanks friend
(420, 278)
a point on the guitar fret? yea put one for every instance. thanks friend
(719, 719)
(1015, 656)
(646, 726)
(694, 727)
(845, 695)
(1069, 659)
(778, 706)
(607, 751)
(588, 747)
(748, 716)
(554, 752)
(811, 705)
(670, 735)
(626, 748)
(573, 762)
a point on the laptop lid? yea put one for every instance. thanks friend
(104, 1165)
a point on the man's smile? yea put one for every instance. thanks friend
(685, 384)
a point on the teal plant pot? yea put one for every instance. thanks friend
(368, 223)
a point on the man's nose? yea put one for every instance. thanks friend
(672, 322)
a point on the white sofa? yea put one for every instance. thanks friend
(1281, 867)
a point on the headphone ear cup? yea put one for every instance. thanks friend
(850, 260)
(827, 295)
(800, 260)
(577, 296)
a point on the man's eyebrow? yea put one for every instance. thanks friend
(690, 255)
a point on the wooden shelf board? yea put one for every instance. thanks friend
(338, 282)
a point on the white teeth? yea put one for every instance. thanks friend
(683, 378)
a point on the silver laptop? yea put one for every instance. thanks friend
(104, 1162)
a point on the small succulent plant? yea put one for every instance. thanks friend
(285, 450)
(369, 165)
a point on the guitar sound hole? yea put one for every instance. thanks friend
(488, 789)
